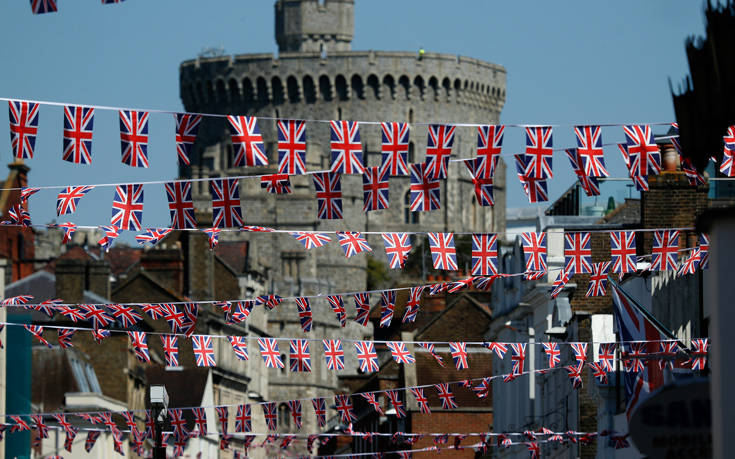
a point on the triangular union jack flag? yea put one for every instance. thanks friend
(346, 147)
(66, 202)
(43, 6)
(328, 195)
(397, 247)
(276, 183)
(484, 254)
(589, 149)
(226, 203)
(375, 189)
(187, 126)
(642, 150)
(443, 253)
(291, 147)
(311, 240)
(439, 150)
(127, 207)
(622, 251)
(598, 279)
(394, 148)
(247, 141)
(483, 186)
(577, 253)
(134, 138)
(539, 152)
(489, 144)
(180, 205)
(665, 250)
(78, 122)
(425, 194)
(23, 128)
(352, 243)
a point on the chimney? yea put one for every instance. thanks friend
(70, 279)
(98, 278)
(166, 266)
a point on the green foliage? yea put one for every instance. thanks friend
(377, 274)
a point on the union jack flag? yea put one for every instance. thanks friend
(126, 315)
(439, 150)
(96, 315)
(270, 353)
(483, 187)
(539, 152)
(134, 138)
(459, 354)
(43, 6)
(276, 183)
(536, 189)
(78, 122)
(553, 353)
(366, 356)
(171, 349)
(338, 306)
(577, 253)
(243, 418)
(344, 407)
(37, 331)
(48, 307)
(560, 282)
(23, 128)
(226, 203)
(606, 356)
(180, 205)
(484, 254)
(320, 409)
(352, 243)
(239, 346)
(248, 143)
(694, 177)
(73, 314)
(589, 184)
(375, 189)
(200, 421)
(412, 304)
(291, 147)
(334, 354)
(703, 251)
(598, 279)
(388, 299)
(424, 190)
(304, 308)
(397, 247)
(728, 154)
(91, 439)
(518, 357)
(641, 181)
(187, 126)
(430, 348)
(690, 264)
(534, 250)
(222, 415)
(395, 400)
(140, 345)
(667, 354)
(699, 352)
(173, 316)
(311, 240)
(370, 398)
(574, 372)
(633, 358)
(589, 149)
(642, 150)
(18, 215)
(152, 235)
(443, 253)
(203, 350)
(665, 250)
(622, 251)
(65, 336)
(400, 353)
(299, 358)
(127, 207)
(328, 195)
(445, 396)
(362, 304)
(421, 399)
(395, 148)
(580, 351)
(295, 407)
(346, 148)
(66, 202)
(489, 144)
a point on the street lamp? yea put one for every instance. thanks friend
(159, 408)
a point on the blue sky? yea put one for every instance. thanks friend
(568, 62)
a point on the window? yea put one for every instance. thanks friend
(411, 152)
(284, 420)
(408, 216)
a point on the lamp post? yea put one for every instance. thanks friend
(159, 408)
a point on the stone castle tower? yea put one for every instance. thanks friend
(316, 76)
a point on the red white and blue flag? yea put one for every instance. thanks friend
(270, 353)
(352, 243)
(152, 236)
(134, 138)
(375, 188)
(304, 307)
(243, 418)
(276, 183)
(589, 149)
(320, 410)
(459, 354)
(180, 205)
(203, 350)
(299, 356)
(589, 184)
(388, 300)
(395, 401)
(239, 346)
(127, 207)
(445, 396)
(170, 349)
(311, 240)
(539, 152)
(534, 250)
(421, 400)
(553, 353)
(271, 415)
(226, 203)
(328, 195)
(295, 407)
(665, 250)
(362, 305)
(483, 187)
(126, 315)
(111, 233)
(397, 247)
(346, 147)
(23, 128)
(77, 141)
(577, 252)
(536, 189)
(598, 279)
(424, 190)
(43, 6)
(395, 148)
(344, 407)
(622, 251)
(727, 166)
(643, 152)
(247, 141)
(366, 356)
(413, 303)
(439, 150)
(400, 353)
(489, 144)
(334, 354)
(291, 147)
(443, 253)
(140, 345)
(484, 254)
(187, 126)
(338, 306)
(703, 251)
(518, 357)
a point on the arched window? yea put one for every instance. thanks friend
(284, 420)
(408, 216)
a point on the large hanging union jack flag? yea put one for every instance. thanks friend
(534, 250)
(375, 189)
(395, 148)
(187, 126)
(247, 141)
(483, 186)
(539, 152)
(622, 250)
(489, 144)
(291, 147)
(127, 207)
(443, 253)
(346, 148)
(484, 254)
(23, 128)
(642, 150)
(226, 203)
(180, 205)
(328, 195)
(577, 253)
(66, 202)
(397, 247)
(589, 148)
(78, 122)
(134, 138)
(439, 150)
(425, 194)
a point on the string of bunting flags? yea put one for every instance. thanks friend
(52, 6)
